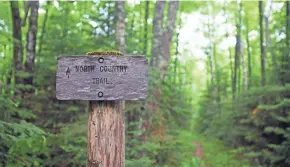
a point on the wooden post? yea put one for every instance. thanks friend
(106, 134)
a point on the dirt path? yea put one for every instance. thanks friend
(198, 153)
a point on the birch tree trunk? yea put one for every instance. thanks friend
(230, 53)
(157, 48)
(262, 47)
(167, 37)
(31, 41)
(241, 54)
(237, 60)
(232, 73)
(269, 42)
(249, 53)
(17, 40)
(211, 54)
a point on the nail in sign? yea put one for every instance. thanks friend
(102, 77)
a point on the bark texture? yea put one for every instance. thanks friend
(106, 134)
(17, 40)
(31, 41)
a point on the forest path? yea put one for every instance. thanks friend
(207, 152)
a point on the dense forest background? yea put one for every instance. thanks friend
(219, 81)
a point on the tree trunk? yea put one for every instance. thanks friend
(210, 54)
(269, 45)
(120, 25)
(244, 66)
(17, 40)
(285, 58)
(249, 53)
(31, 41)
(232, 73)
(162, 40)
(157, 49)
(168, 34)
(146, 27)
(217, 77)
(43, 29)
(230, 53)
(263, 53)
(236, 63)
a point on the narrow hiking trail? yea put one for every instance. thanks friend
(206, 152)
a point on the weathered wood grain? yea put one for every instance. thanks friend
(102, 77)
(106, 134)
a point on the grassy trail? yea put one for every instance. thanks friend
(207, 152)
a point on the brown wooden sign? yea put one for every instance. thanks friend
(102, 78)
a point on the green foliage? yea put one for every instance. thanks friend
(22, 143)
(261, 124)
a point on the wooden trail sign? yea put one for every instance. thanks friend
(104, 80)
(101, 77)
